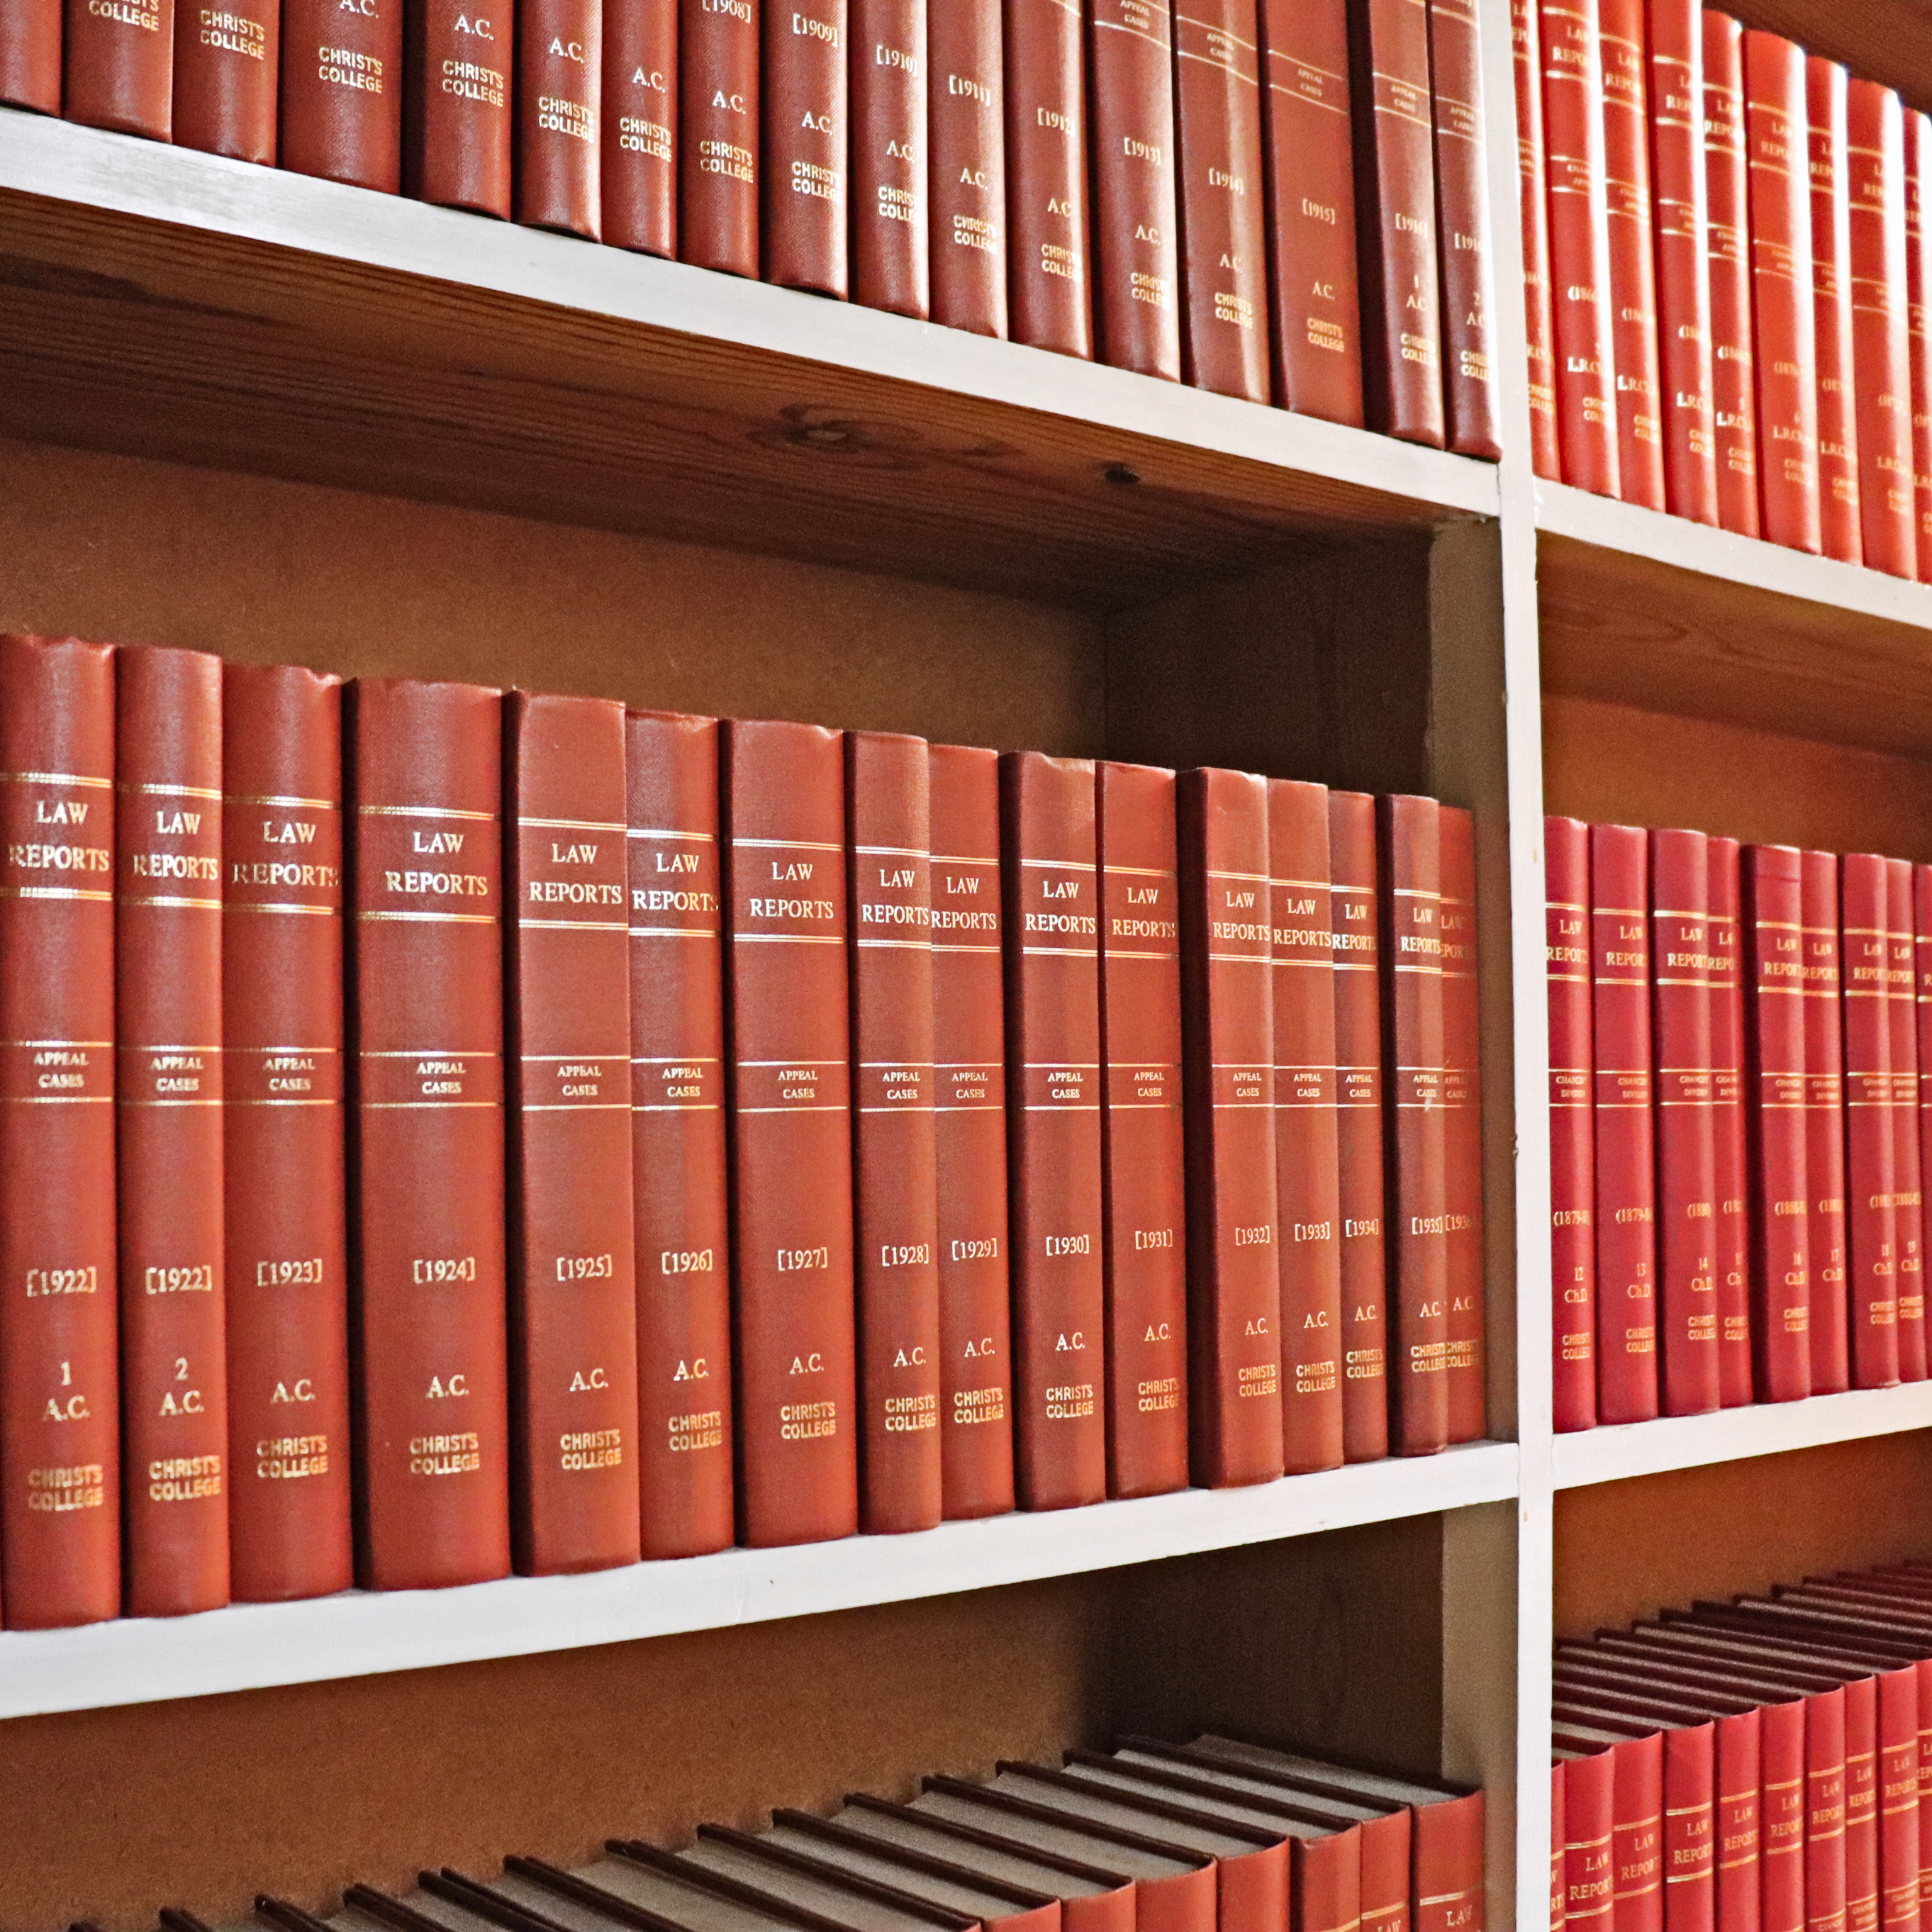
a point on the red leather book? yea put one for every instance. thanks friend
(1354, 909)
(683, 1233)
(1687, 1180)
(120, 67)
(1634, 311)
(1620, 971)
(1308, 1177)
(1222, 195)
(1539, 324)
(967, 178)
(1783, 341)
(1831, 282)
(1727, 232)
(60, 1438)
(1731, 1163)
(1589, 1826)
(572, 1243)
(1640, 1845)
(1416, 1154)
(1050, 887)
(807, 91)
(888, 819)
(1825, 1128)
(285, 1133)
(342, 92)
(559, 115)
(1143, 1148)
(1918, 323)
(30, 56)
(1921, 900)
(1679, 217)
(1827, 1828)
(1860, 1803)
(427, 1178)
(167, 999)
(1395, 219)
(786, 1000)
(1900, 985)
(1899, 1713)
(1241, 1335)
(1136, 216)
(227, 62)
(457, 121)
(1048, 247)
(891, 259)
(976, 1427)
(1579, 244)
(1463, 1127)
(1573, 1143)
(1462, 208)
(719, 169)
(1316, 332)
(1870, 1182)
(637, 126)
(1774, 1095)
(1558, 1899)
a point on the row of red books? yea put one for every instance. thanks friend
(1763, 1762)
(1726, 278)
(1146, 182)
(1735, 1036)
(1216, 1836)
(918, 1130)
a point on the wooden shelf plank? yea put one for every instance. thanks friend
(136, 1661)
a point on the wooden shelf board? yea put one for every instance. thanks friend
(135, 1661)
(162, 302)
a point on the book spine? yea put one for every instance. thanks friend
(683, 1232)
(427, 1178)
(1688, 1794)
(1784, 338)
(1308, 1173)
(227, 64)
(1861, 1828)
(807, 100)
(1235, 1294)
(1825, 1820)
(1532, 192)
(1919, 325)
(1386, 1865)
(120, 67)
(1136, 218)
(1727, 262)
(1448, 1872)
(1900, 983)
(559, 113)
(966, 107)
(1626, 200)
(719, 164)
(1311, 202)
(1589, 1827)
(1325, 1881)
(1416, 1155)
(1354, 911)
(975, 1430)
(1620, 971)
(1395, 219)
(285, 1131)
(1222, 196)
(458, 127)
(572, 1232)
(1049, 274)
(1825, 1128)
(1737, 1888)
(1574, 169)
(1881, 342)
(1049, 882)
(637, 125)
(1467, 1371)
(1557, 1899)
(1774, 1090)
(1463, 206)
(1731, 1166)
(1923, 1672)
(30, 56)
(1832, 283)
(787, 998)
(1871, 1182)
(1921, 905)
(60, 1438)
(1572, 1145)
(888, 819)
(1641, 1838)
(1781, 1858)
(1143, 1127)
(1898, 1795)
(891, 257)
(342, 91)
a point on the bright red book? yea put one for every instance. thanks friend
(637, 127)
(1922, 883)
(425, 765)
(60, 1436)
(967, 177)
(1633, 309)
(1825, 1127)
(1832, 283)
(1899, 1711)
(1048, 853)
(30, 56)
(1532, 194)
(1050, 286)
(1557, 1899)
(791, 1132)
(1727, 258)
(1143, 1126)
(458, 120)
(168, 1087)
(1354, 911)
(1871, 1182)
(1620, 971)
(227, 64)
(572, 1222)
(342, 91)
(720, 164)
(560, 115)
(1589, 1827)
(1900, 985)
(120, 67)
(806, 90)
(894, 1151)
(976, 1427)
(891, 261)
(1240, 1338)
(1731, 1164)
(1573, 1143)
(285, 1133)
(1462, 1126)
(1918, 323)
(1463, 210)
(683, 1237)
(1827, 1831)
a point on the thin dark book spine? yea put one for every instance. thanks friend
(457, 122)
(1533, 195)
(1467, 1370)
(1462, 211)
(30, 56)
(120, 67)
(891, 179)
(967, 177)
(342, 91)
(1730, 1164)
(1825, 1128)
(719, 164)
(560, 115)
(1919, 322)
(1628, 208)
(1727, 257)
(227, 66)
(1049, 246)
(1831, 314)
(1902, 1023)
(1573, 1144)
(807, 91)
(637, 122)
(1872, 1220)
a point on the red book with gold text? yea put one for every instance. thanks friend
(227, 65)
(1050, 246)
(1731, 1230)
(459, 116)
(1919, 322)
(1573, 1143)
(1871, 1182)
(1727, 257)
(637, 123)
(342, 91)
(967, 177)
(1532, 192)
(1921, 902)
(721, 165)
(559, 116)
(806, 94)
(891, 261)
(1831, 282)
(1462, 217)
(1824, 1089)
(1633, 309)
(1463, 1126)
(1900, 981)
(120, 67)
